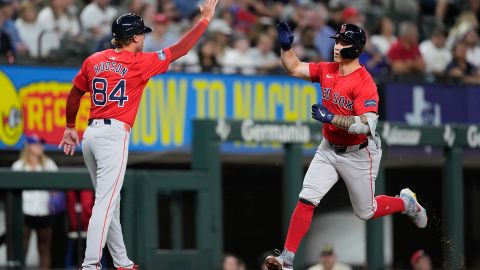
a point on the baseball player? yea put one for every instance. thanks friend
(115, 79)
(350, 148)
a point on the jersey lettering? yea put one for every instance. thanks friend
(341, 101)
(349, 105)
(118, 93)
(99, 87)
(337, 99)
(99, 96)
(110, 66)
(326, 93)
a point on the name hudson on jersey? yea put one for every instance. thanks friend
(110, 66)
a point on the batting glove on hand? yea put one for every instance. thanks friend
(320, 113)
(285, 36)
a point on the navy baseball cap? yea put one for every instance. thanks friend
(129, 25)
(34, 139)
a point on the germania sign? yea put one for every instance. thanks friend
(283, 133)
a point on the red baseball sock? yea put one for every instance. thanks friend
(299, 225)
(387, 205)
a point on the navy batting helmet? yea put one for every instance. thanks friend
(129, 25)
(354, 35)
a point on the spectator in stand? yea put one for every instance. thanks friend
(265, 26)
(37, 203)
(420, 260)
(185, 7)
(226, 15)
(230, 262)
(317, 18)
(353, 16)
(57, 23)
(245, 18)
(359, 4)
(384, 35)
(335, 19)
(328, 260)
(135, 6)
(265, 8)
(373, 60)
(221, 33)
(474, 6)
(148, 12)
(168, 8)
(460, 69)
(473, 47)
(160, 37)
(466, 21)
(6, 49)
(435, 52)
(28, 27)
(7, 27)
(207, 56)
(307, 41)
(405, 57)
(266, 61)
(239, 60)
(97, 18)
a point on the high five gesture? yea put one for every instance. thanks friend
(208, 9)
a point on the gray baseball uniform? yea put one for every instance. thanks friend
(105, 150)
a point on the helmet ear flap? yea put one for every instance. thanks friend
(351, 52)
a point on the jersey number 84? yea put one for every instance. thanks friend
(100, 97)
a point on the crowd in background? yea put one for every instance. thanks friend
(438, 39)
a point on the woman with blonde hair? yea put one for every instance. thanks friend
(37, 204)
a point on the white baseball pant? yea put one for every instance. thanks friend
(105, 151)
(358, 170)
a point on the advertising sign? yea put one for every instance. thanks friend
(431, 104)
(32, 100)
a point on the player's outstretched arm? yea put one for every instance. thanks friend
(70, 136)
(189, 40)
(290, 61)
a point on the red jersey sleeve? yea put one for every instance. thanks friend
(81, 79)
(367, 98)
(315, 71)
(154, 63)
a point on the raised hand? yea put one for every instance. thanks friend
(208, 9)
(285, 36)
(69, 141)
(322, 114)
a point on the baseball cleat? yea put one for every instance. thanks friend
(413, 209)
(278, 262)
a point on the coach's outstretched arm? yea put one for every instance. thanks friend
(290, 61)
(70, 135)
(187, 42)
